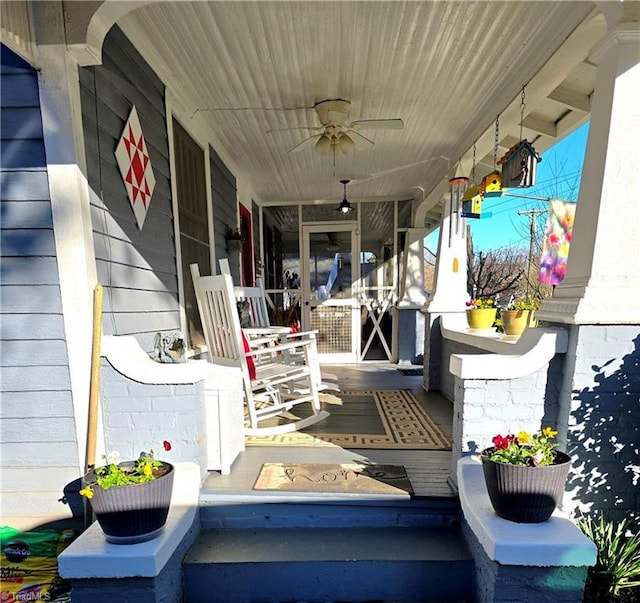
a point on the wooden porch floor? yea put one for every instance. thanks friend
(428, 470)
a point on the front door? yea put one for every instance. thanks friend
(329, 289)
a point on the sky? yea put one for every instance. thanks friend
(558, 176)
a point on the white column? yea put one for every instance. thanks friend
(450, 283)
(69, 193)
(602, 284)
(413, 291)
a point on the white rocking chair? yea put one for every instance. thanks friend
(267, 378)
(254, 321)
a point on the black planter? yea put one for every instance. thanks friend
(134, 513)
(525, 494)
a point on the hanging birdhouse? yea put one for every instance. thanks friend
(472, 202)
(519, 165)
(491, 185)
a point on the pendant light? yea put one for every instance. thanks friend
(345, 207)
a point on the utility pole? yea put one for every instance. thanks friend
(532, 213)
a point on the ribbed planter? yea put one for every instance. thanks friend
(134, 513)
(481, 318)
(514, 322)
(525, 494)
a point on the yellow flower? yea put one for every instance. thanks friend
(88, 492)
(523, 437)
(147, 469)
(549, 433)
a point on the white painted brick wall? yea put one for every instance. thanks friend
(600, 402)
(139, 417)
(486, 407)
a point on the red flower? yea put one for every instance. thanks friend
(502, 443)
(167, 445)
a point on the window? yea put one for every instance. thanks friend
(193, 221)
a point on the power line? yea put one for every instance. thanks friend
(532, 214)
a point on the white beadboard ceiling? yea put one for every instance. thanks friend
(254, 70)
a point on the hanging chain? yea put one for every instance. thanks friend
(522, 106)
(496, 140)
(473, 164)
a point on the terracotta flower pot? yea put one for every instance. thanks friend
(481, 318)
(134, 513)
(525, 494)
(514, 322)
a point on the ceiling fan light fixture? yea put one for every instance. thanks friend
(323, 146)
(346, 144)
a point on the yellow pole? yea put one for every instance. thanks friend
(94, 390)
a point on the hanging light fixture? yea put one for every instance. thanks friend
(345, 207)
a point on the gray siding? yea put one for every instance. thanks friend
(225, 211)
(137, 268)
(36, 415)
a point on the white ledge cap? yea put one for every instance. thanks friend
(126, 356)
(556, 542)
(91, 556)
(508, 359)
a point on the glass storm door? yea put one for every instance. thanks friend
(329, 298)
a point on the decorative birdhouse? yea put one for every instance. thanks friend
(491, 185)
(472, 202)
(519, 165)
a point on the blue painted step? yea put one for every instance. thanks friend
(435, 512)
(328, 564)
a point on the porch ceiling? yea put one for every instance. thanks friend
(252, 72)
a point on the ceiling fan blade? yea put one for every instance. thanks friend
(401, 168)
(306, 143)
(294, 128)
(378, 124)
(361, 142)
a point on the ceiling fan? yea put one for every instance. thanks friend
(338, 134)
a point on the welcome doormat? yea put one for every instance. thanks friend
(351, 478)
(385, 419)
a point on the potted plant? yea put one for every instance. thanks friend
(525, 475)
(518, 315)
(481, 313)
(130, 499)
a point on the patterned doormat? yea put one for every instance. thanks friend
(383, 419)
(351, 478)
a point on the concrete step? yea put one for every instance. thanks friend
(434, 512)
(286, 565)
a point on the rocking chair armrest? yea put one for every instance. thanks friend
(261, 331)
(309, 334)
(281, 347)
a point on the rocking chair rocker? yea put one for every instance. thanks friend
(267, 377)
